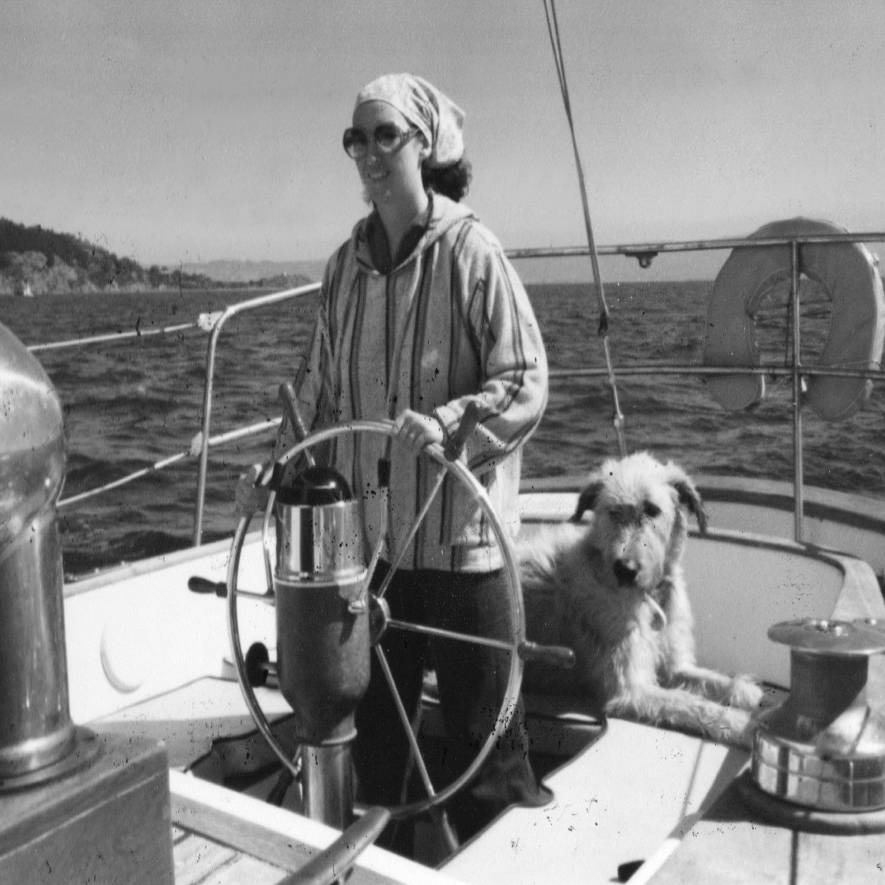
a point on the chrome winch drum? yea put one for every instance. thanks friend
(823, 749)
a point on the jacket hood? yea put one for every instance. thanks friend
(444, 215)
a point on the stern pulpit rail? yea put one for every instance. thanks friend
(652, 248)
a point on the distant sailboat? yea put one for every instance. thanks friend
(26, 292)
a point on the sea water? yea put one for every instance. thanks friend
(131, 402)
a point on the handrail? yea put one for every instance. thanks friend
(202, 441)
(648, 250)
(798, 450)
(231, 311)
(214, 323)
(112, 336)
(639, 369)
(163, 463)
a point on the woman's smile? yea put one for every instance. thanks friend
(376, 181)
(376, 174)
(385, 174)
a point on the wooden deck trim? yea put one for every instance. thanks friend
(277, 836)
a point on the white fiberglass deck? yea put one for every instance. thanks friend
(617, 802)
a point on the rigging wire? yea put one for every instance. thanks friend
(602, 330)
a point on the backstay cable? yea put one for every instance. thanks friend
(602, 331)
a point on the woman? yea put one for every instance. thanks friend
(421, 314)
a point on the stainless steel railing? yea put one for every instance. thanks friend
(218, 326)
(644, 253)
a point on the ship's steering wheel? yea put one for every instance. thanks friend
(383, 620)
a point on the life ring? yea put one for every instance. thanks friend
(849, 275)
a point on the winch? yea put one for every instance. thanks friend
(819, 758)
(68, 799)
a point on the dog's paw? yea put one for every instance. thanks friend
(731, 726)
(745, 693)
(744, 732)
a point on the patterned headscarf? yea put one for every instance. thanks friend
(435, 115)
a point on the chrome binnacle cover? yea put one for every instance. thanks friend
(321, 545)
(32, 444)
(37, 733)
(319, 532)
(323, 637)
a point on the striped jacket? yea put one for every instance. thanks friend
(449, 325)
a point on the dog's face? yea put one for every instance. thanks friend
(639, 526)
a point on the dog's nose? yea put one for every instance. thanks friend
(625, 571)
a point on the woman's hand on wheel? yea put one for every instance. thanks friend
(416, 430)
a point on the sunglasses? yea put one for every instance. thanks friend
(388, 138)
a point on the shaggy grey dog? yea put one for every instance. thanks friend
(613, 590)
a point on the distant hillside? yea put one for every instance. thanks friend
(35, 260)
(249, 271)
(38, 260)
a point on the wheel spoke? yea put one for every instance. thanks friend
(406, 723)
(440, 633)
(376, 553)
(419, 519)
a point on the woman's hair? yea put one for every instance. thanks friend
(451, 181)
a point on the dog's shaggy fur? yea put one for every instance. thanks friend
(613, 590)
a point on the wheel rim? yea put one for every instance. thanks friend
(516, 618)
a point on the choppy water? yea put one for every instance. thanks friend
(128, 404)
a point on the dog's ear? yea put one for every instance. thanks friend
(690, 498)
(587, 499)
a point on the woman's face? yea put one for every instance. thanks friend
(388, 177)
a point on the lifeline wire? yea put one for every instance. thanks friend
(602, 331)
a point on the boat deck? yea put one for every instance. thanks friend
(688, 821)
(731, 847)
(224, 836)
(221, 836)
(582, 834)
(635, 794)
(201, 861)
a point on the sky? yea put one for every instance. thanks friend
(191, 131)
